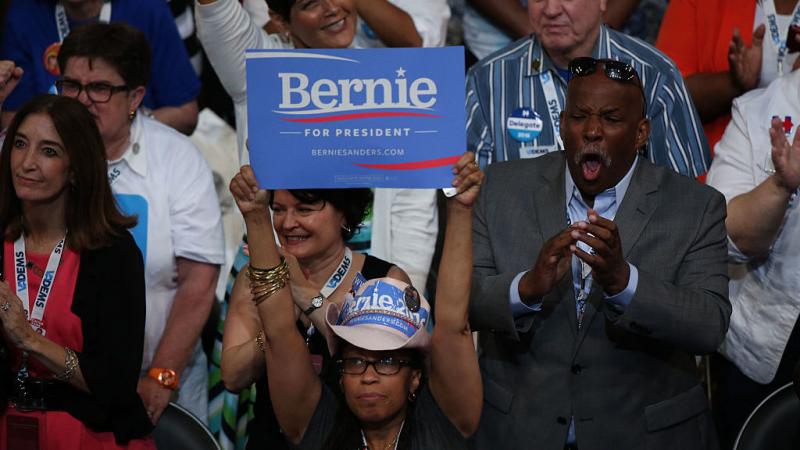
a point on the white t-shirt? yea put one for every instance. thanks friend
(164, 180)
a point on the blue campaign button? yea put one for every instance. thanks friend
(524, 124)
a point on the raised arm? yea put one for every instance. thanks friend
(713, 92)
(10, 75)
(455, 379)
(226, 31)
(294, 387)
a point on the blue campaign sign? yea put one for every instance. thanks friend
(345, 118)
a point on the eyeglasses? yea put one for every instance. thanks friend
(616, 70)
(97, 92)
(384, 366)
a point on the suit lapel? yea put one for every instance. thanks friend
(638, 205)
(632, 215)
(549, 201)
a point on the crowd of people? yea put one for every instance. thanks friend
(624, 277)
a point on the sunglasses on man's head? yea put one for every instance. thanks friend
(616, 70)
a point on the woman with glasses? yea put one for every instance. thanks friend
(312, 227)
(158, 175)
(72, 306)
(381, 337)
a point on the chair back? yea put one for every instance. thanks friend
(178, 429)
(774, 424)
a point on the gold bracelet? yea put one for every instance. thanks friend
(70, 365)
(260, 341)
(266, 282)
(266, 292)
(271, 274)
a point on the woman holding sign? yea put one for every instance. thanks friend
(312, 227)
(380, 336)
(72, 308)
(404, 221)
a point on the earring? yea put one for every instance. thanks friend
(346, 228)
(132, 115)
(412, 397)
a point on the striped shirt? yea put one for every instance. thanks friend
(512, 78)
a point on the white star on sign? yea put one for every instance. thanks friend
(401, 73)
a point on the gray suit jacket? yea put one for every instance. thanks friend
(629, 380)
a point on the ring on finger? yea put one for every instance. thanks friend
(6, 306)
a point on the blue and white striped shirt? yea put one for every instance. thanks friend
(511, 78)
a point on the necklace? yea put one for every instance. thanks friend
(389, 445)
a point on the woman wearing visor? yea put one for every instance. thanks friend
(313, 227)
(381, 340)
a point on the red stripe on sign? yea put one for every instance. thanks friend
(359, 116)
(431, 163)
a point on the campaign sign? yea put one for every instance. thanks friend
(343, 118)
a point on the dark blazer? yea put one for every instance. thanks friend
(110, 301)
(629, 380)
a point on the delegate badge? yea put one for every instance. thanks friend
(50, 59)
(524, 124)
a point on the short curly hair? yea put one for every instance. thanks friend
(354, 204)
(119, 45)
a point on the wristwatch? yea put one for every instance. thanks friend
(166, 378)
(316, 303)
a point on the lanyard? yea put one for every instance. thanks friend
(62, 23)
(779, 36)
(396, 438)
(333, 282)
(338, 275)
(553, 105)
(583, 270)
(21, 275)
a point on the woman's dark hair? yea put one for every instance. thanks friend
(123, 47)
(92, 215)
(346, 434)
(282, 7)
(354, 204)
